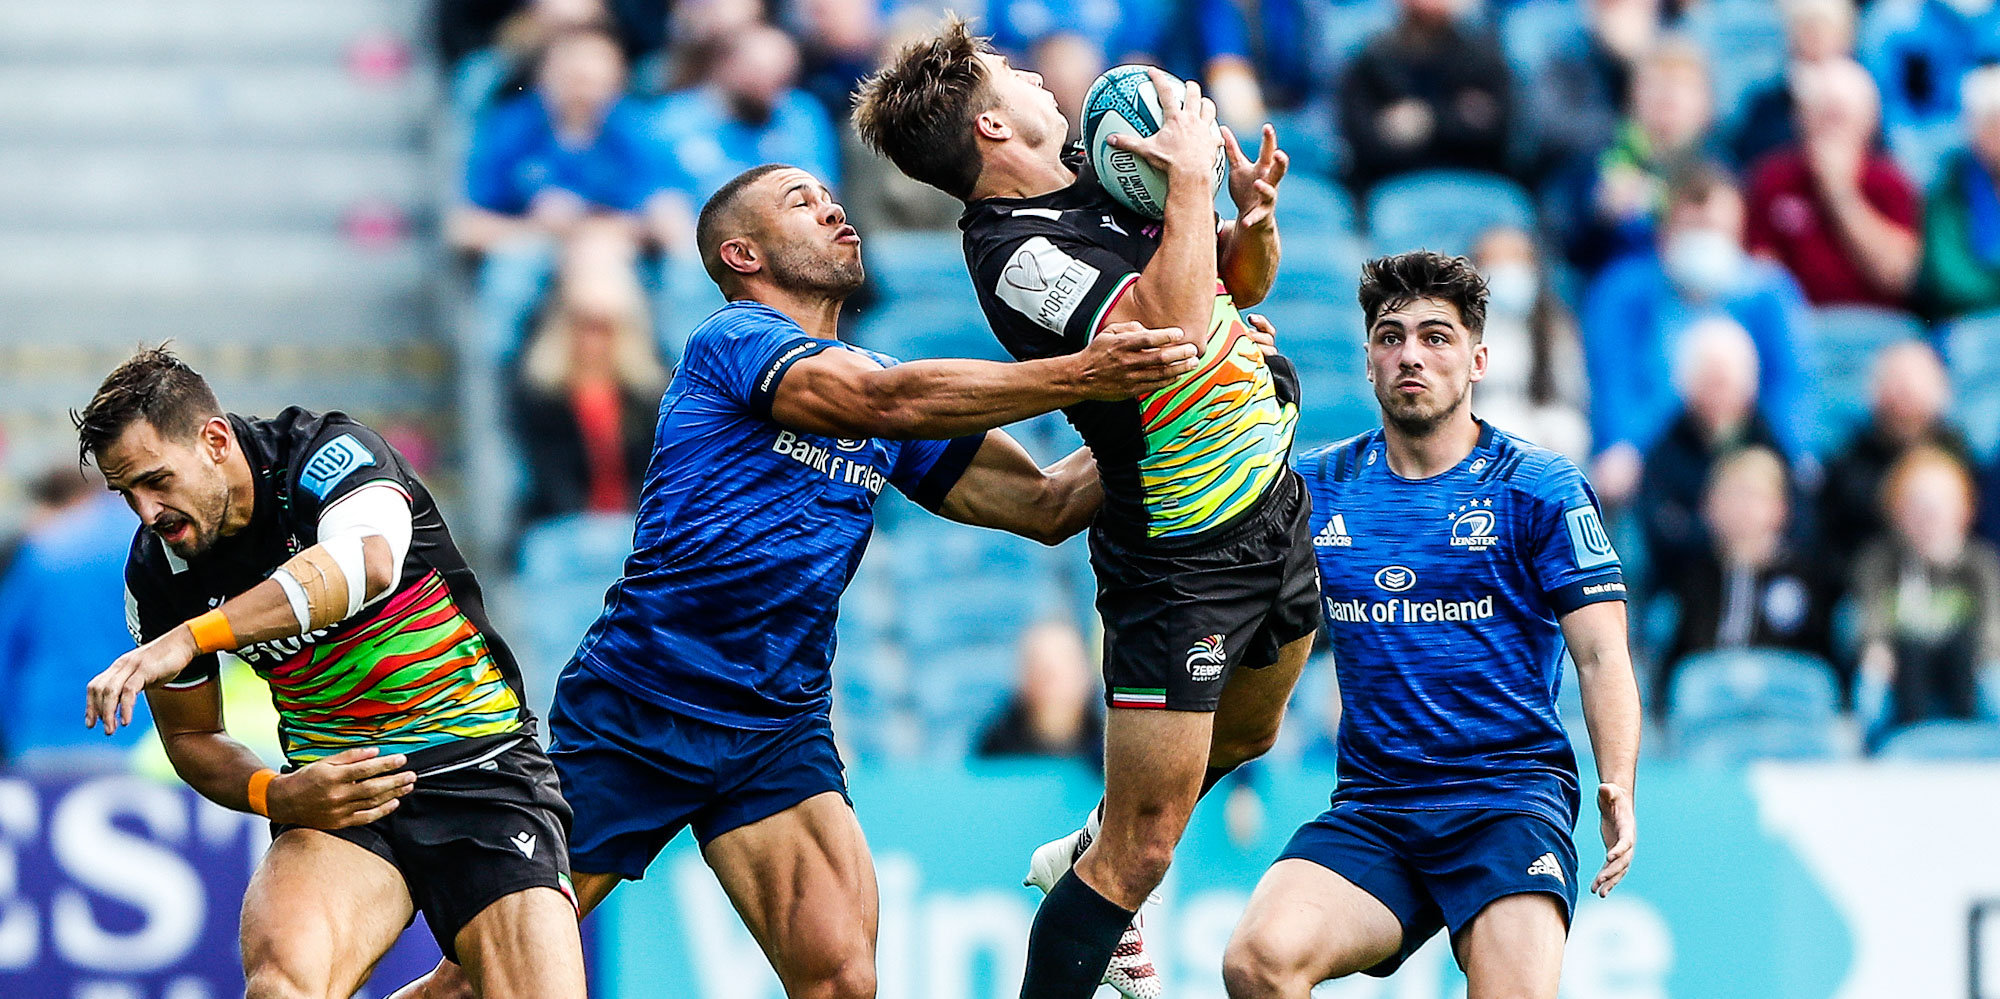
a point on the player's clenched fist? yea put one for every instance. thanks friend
(1127, 359)
(112, 694)
(350, 788)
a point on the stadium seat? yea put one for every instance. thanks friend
(1444, 210)
(1972, 351)
(1532, 33)
(1737, 704)
(1846, 339)
(1307, 205)
(1745, 42)
(1943, 740)
(916, 265)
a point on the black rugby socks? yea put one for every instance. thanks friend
(1075, 931)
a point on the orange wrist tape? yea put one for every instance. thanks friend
(212, 632)
(260, 786)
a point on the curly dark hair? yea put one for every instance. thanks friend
(1391, 282)
(919, 108)
(154, 386)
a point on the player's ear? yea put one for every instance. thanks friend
(1479, 357)
(740, 255)
(992, 125)
(214, 438)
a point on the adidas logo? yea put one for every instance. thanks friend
(1334, 534)
(525, 842)
(1546, 864)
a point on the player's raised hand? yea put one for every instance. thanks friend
(350, 788)
(1620, 825)
(1262, 333)
(1253, 184)
(111, 695)
(1127, 359)
(1188, 139)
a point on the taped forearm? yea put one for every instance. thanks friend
(329, 582)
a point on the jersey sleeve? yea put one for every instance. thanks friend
(925, 471)
(744, 357)
(150, 612)
(1572, 557)
(1047, 290)
(342, 457)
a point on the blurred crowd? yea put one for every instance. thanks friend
(1754, 284)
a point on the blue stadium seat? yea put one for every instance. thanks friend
(1944, 740)
(1307, 205)
(1737, 704)
(917, 265)
(1444, 210)
(1344, 29)
(587, 547)
(1972, 351)
(932, 327)
(1745, 42)
(1532, 33)
(1846, 339)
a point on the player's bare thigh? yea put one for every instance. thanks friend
(1253, 706)
(524, 946)
(805, 886)
(320, 911)
(1514, 948)
(448, 980)
(1304, 925)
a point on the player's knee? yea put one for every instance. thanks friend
(1250, 970)
(1235, 749)
(269, 981)
(852, 979)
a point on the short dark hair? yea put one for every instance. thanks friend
(154, 386)
(718, 222)
(918, 110)
(1696, 182)
(1391, 282)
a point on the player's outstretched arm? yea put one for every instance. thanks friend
(1005, 490)
(1596, 636)
(347, 789)
(842, 393)
(1177, 288)
(1249, 245)
(356, 561)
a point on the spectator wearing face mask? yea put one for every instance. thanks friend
(748, 111)
(1752, 586)
(1637, 310)
(1961, 268)
(1929, 595)
(1534, 386)
(1834, 209)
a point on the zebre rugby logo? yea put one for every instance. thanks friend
(1205, 661)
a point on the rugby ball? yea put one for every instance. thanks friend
(1123, 101)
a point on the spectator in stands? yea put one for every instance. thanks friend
(1753, 586)
(1250, 55)
(575, 149)
(60, 619)
(1715, 372)
(589, 386)
(1582, 91)
(1910, 394)
(748, 111)
(700, 30)
(838, 44)
(1636, 308)
(1918, 51)
(1054, 709)
(506, 67)
(1068, 63)
(1606, 210)
(1961, 268)
(878, 197)
(1534, 385)
(1929, 595)
(1428, 92)
(1816, 31)
(1833, 208)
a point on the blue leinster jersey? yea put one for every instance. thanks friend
(748, 532)
(1443, 596)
